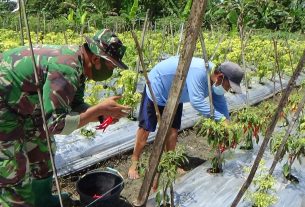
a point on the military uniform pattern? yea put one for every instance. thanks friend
(23, 146)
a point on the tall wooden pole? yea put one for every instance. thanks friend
(270, 130)
(43, 115)
(206, 61)
(194, 25)
(20, 24)
(141, 46)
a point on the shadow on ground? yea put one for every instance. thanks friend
(192, 163)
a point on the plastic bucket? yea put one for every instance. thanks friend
(99, 183)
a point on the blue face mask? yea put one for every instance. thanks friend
(218, 90)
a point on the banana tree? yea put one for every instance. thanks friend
(78, 14)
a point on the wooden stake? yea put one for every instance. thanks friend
(277, 156)
(270, 129)
(205, 57)
(216, 48)
(193, 29)
(173, 38)
(277, 62)
(242, 44)
(20, 24)
(141, 46)
(140, 51)
(39, 92)
(162, 44)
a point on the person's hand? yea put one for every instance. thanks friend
(114, 121)
(110, 107)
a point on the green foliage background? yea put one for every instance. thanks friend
(285, 15)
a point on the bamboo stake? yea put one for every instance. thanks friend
(242, 45)
(37, 29)
(140, 53)
(171, 189)
(289, 53)
(277, 62)
(155, 26)
(270, 130)
(227, 50)
(162, 44)
(150, 45)
(216, 48)
(141, 46)
(20, 24)
(45, 126)
(44, 23)
(277, 156)
(273, 79)
(245, 69)
(172, 34)
(205, 57)
(65, 37)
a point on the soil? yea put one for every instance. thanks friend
(197, 152)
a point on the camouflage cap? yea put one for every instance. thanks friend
(108, 46)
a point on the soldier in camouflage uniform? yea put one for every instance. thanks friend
(25, 169)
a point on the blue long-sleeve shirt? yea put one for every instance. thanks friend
(195, 89)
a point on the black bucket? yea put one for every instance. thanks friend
(99, 183)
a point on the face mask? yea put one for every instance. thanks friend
(103, 73)
(218, 90)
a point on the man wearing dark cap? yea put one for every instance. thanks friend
(25, 168)
(227, 76)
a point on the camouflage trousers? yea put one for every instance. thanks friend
(23, 156)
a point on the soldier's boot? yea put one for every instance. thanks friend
(42, 189)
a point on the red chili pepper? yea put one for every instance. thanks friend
(245, 129)
(221, 147)
(234, 144)
(256, 130)
(96, 196)
(105, 123)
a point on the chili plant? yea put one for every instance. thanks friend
(88, 133)
(126, 83)
(265, 111)
(221, 136)
(263, 194)
(121, 85)
(168, 169)
(293, 102)
(251, 123)
(295, 148)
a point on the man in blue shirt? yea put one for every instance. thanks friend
(227, 76)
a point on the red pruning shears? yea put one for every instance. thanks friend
(97, 196)
(105, 123)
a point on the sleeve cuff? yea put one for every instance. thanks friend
(71, 123)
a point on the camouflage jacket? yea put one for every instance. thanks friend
(62, 83)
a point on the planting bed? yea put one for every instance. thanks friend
(74, 152)
(201, 189)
